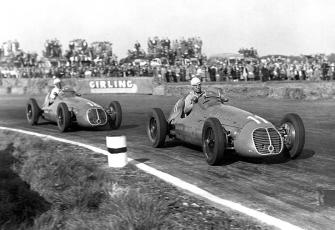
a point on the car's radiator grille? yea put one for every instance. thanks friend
(97, 116)
(276, 141)
(267, 141)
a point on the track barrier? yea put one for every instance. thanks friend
(117, 149)
(297, 90)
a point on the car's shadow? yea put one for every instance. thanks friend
(276, 159)
(76, 128)
(232, 157)
(107, 128)
(306, 153)
(131, 126)
(46, 123)
(173, 143)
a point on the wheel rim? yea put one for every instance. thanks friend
(209, 143)
(153, 128)
(29, 112)
(290, 134)
(60, 118)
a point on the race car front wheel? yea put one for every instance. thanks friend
(116, 113)
(294, 134)
(214, 141)
(33, 111)
(157, 127)
(63, 117)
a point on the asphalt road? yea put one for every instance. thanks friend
(299, 191)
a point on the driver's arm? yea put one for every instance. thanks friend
(188, 103)
(54, 93)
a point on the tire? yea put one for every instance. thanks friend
(63, 117)
(115, 123)
(294, 141)
(214, 141)
(157, 128)
(33, 111)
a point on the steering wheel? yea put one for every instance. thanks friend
(60, 92)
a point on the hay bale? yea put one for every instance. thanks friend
(18, 90)
(295, 93)
(5, 90)
(159, 90)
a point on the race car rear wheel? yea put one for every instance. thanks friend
(63, 117)
(294, 137)
(214, 141)
(157, 127)
(116, 112)
(33, 111)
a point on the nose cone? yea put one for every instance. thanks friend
(258, 140)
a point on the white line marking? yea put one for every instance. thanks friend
(254, 119)
(262, 119)
(262, 217)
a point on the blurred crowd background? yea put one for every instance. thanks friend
(165, 60)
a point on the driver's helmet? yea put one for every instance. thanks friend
(56, 81)
(195, 81)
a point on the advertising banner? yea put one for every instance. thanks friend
(142, 85)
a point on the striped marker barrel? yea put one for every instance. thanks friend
(117, 148)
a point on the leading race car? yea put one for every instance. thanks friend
(69, 109)
(218, 127)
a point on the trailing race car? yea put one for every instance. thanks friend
(69, 109)
(218, 127)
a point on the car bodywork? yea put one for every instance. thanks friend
(248, 134)
(84, 112)
(69, 109)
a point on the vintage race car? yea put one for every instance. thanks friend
(69, 109)
(218, 128)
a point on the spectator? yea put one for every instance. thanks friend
(317, 73)
(212, 73)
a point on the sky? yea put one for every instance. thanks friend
(289, 27)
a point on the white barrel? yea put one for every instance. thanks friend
(117, 151)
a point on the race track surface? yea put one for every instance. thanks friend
(297, 191)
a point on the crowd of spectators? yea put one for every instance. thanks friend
(182, 48)
(165, 60)
(272, 68)
(241, 69)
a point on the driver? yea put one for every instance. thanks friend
(55, 91)
(193, 96)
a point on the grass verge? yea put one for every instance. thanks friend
(79, 192)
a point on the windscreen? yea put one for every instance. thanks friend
(210, 98)
(68, 92)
